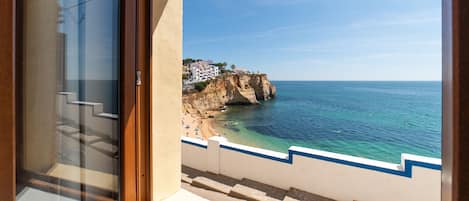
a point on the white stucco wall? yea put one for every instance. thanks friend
(336, 176)
(166, 97)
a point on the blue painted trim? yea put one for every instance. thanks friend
(407, 172)
(349, 163)
(423, 164)
(283, 160)
(195, 144)
(410, 163)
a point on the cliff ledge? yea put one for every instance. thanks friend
(229, 90)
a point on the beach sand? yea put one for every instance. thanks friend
(196, 126)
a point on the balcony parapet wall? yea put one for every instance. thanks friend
(332, 175)
(89, 115)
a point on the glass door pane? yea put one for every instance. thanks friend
(69, 139)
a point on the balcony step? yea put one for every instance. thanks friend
(244, 189)
(185, 178)
(207, 194)
(53, 188)
(210, 184)
(271, 191)
(106, 148)
(95, 142)
(67, 129)
(85, 138)
(250, 194)
(299, 195)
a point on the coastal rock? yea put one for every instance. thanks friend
(244, 89)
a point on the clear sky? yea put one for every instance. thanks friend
(98, 27)
(319, 39)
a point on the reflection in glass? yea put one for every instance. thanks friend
(68, 141)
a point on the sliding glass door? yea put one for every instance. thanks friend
(68, 141)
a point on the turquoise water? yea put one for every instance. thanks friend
(375, 120)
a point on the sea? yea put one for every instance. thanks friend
(377, 120)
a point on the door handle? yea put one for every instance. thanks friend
(139, 78)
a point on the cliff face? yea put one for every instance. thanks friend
(230, 90)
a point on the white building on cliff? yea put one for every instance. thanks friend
(201, 71)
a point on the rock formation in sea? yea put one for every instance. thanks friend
(234, 89)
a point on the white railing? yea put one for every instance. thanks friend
(332, 175)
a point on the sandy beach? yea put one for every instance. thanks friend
(196, 126)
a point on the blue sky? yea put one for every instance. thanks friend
(100, 39)
(319, 39)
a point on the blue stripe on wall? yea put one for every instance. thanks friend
(407, 172)
(195, 144)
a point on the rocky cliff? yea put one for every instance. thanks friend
(230, 90)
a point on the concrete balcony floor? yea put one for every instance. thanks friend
(31, 194)
(207, 194)
(184, 195)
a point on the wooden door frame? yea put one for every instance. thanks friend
(455, 135)
(7, 100)
(143, 101)
(134, 20)
(127, 115)
(135, 105)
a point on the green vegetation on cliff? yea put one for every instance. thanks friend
(200, 86)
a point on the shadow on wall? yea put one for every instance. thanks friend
(157, 11)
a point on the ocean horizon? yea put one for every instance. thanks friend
(378, 120)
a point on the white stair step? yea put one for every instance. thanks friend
(108, 115)
(209, 184)
(67, 129)
(271, 191)
(248, 193)
(296, 194)
(85, 138)
(185, 178)
(105, 147)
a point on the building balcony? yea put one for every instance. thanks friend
(250, 173)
